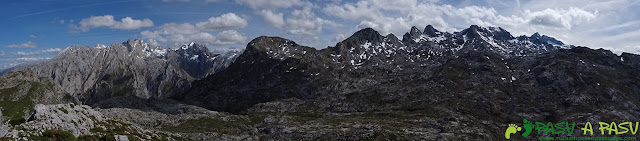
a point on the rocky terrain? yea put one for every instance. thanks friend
(79, 121)
(431, 85)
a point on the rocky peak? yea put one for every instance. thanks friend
(415, 31)
(431, 32)
(266, 43)
(499, 33)
(550, 40)
(275, 48)
(536, 35)
(187, 46)
(411, 36)
(365, 35)
(193, 48)
(544, 39)
(391, 38)
(135, 45)
(471, 32)
(475, 31)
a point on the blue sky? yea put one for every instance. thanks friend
(37, 30)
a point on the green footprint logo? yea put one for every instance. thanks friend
(528, 127)
(512, 129)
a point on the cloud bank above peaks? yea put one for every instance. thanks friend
(126, 23)
(201, 32)
(398, 16)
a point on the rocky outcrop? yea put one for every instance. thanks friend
(78, 119)
(4, 127)
(92, 74)
(20, 91)
(82, 121)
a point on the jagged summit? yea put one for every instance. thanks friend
(535, 35)
(475, 31)
(365, 35)
(187, 46)
(546, 39)
(411, 36)
(392, 38)
(432, 32)
(415, 31)
(415, 45)
(493, 39)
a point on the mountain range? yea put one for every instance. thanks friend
(431, 85)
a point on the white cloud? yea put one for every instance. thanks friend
(301, 20)
(33, 36)
(153, 43)
(51, 50)
(398, 16)
(229, 37)
(2, 53)
(362, 10)
(28, 44)
(30, 59)
(108, 21)
(272, 18)
(305, 22)
(273, 4)
(176, 34)
(339, 38)
(224, 22)
(558, 18)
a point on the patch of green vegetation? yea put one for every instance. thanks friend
(16, 103)
(17, 121)
(63, 110)
(15, 110)
(40, 138)
(89, 138)
(19, 128)
(181, 138)
(114, 127)
(58, 135)
(205, 124)
(121, 90)
(133, 138)
(105, 138)
(97, 130)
